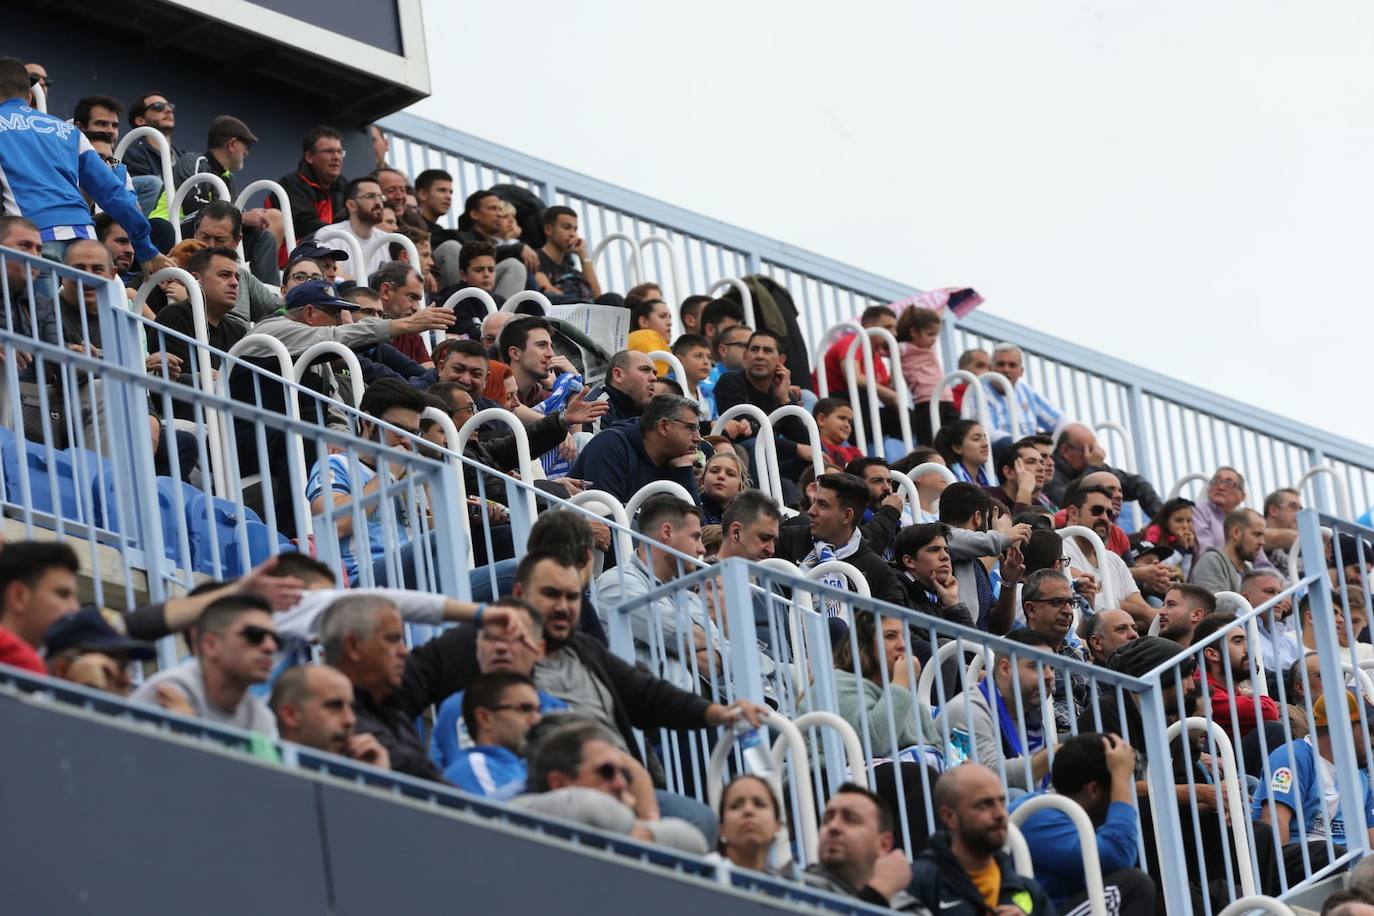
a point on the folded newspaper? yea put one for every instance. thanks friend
(607, 325)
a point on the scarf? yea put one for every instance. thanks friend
(823, 552)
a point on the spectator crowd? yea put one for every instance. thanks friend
(520, 697)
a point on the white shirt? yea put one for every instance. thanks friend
(346, 268)
(1117, 576)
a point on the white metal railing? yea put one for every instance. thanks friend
(823, 382)
(288, 222)
(527, 295)
(164, 155)
(380, 239)
(175, 200)
(984, 418)
(357, 259)
(1087, 842)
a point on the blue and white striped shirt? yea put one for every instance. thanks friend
(1037, 415)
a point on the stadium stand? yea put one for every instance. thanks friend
(426, 571)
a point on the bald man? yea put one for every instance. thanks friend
(965, 872)
(314, 707)
(1076, 451)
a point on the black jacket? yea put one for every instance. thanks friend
(621, 408)
(393, 724)
(1134, 488)
(448, 663)
(313, 205)
(939, 881)
(794, 543)
(733, 388)
(141, 159)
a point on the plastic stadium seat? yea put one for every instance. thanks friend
(169, 512)
(222, 516)
(70, 505)
(98, 475)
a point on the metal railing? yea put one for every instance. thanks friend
(1176, 428)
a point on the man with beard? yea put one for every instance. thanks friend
(965, 872)
(364, 202)
(1222, 568)
(1279, 632)
(115, 238)
(766, 382)
(1004, 712)
(1185, 606)
(856, 854)
(1091, 507)
(1227, 668)
(499, 709)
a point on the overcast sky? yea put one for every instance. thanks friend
(1181, 184)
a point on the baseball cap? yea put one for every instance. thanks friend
(88, 629)
(1319, 717)
(315, 251)
(230, 126)
(1145, 548)
(319, 294)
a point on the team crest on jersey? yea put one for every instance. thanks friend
(1282, 781)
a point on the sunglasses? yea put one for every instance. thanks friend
(607, 771)
(35, 79)
(1099, 511)
(254, 635)
(161, 106)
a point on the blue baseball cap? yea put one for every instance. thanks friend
(315, 252)
(318, 293)
(88, 630)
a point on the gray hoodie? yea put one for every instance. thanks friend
(1215, 572)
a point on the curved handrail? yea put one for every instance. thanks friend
(894, 377)
(205, 374)
(1251, 636)
(527, 295)
(285, 369)
(929, 467)
(1234, 803)
(1361, 675)
(910, 494)
(765, 447)
(633, 261)
(1104, 587)
(288, 223)
(1128, 452)
(356, 258)
(164, 153)
(1184, 481)
(522, 453)
(678, 289)
(1154, 626)
(1087, 842)
(40, 97)
(799, 605)
(980, 397)
(853, 748)
(472, 292)
(801, 762)
(1339, 485)
(848, 570)
(1257, 902)
(675, 365)
(813, 431)
(355, 369)
(379, 239)
(823, 380)
(925, 686)
(1020, 851)
(746, 298)
(653, 489)
(624, 544)
(998, 380)
(175, 201)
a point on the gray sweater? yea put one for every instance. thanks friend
(876, 702)
(986, 737)
(299, 337)
(1215, 572)
(965, 547)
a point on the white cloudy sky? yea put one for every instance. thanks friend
(1188, 185)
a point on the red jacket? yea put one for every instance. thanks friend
(18, 654)
(1225, 704)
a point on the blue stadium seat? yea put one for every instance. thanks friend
(70, 505)
(97, 473)
(221, 515)
(169, 512)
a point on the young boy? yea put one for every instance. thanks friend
(836, 420)
(695, 353)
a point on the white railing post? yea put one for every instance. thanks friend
(174, 201)
(746, 298)
(679, 291)
(813, 432)
(851, 380)
(471, 292)
(454, 443)
(1183, 482)
(765, 447)
(1339, 485)
(288, 224)
(635, 268)
(355, 369)
(379, 239)
(527, 295)
(519, 532)
(1110, 599)
(205, 373)
(1087, 842)
(894, 375)
(164, 154)
(980, 397)
(40, 97)
(356, 258)
(1128, 452)
(624, 544)
(653, 489)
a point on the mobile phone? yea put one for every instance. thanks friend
(596, 393)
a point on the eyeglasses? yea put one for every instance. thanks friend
(731, 346)
(526, 709)
(376, 195)
(300, 276)
(471, 408)
(254, 635)
(161, 106)
(1065, 561)
(1225, 482)
(608, 771)
(1058, 604)
(332, 151)
(690, 424)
